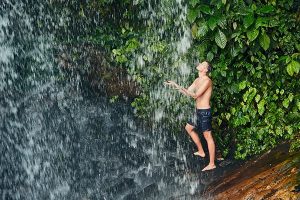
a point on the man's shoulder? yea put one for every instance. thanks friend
(206, 78)
(209, 79)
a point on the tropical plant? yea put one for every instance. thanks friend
(254, 47)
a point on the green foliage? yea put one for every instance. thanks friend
(220, 39)
(259, 87)
(293, 68)
(113, 99)
(295, 145)
(254, 47)
(264, 41)
(130, 46)
(252, 34)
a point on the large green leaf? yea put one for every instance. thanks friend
(252, 35)
(248, 20)
(291, 97)
(192, 14)
(202, 48)
(286, 103)
(220, 39)
(290, 70)
(251, 94)
(205, 9)
(212, 22)
(132, 45)
(264, 41)
(194, 31)
(257, 98)
(261, 107)
(121, 59)
(242, 85)
(265, 9)
(261, 21)
(202, 30)
(193, 2)
(222, 22)
(210, 56)
(234, 51)
(293, 67)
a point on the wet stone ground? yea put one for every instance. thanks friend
(272, 175)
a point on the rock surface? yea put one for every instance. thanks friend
(273, 175)
(95, 69)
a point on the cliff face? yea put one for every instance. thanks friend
(95, 69)
(273, 175)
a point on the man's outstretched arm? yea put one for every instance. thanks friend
(183, 90)
(187, 92)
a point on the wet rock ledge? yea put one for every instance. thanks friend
(273, 175)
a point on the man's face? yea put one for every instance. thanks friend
(202, 66)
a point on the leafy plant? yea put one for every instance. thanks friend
(255, 71)
(254, 47)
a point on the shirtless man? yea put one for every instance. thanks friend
(200, 90)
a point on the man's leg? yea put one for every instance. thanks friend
(189, 128)
(211, 150)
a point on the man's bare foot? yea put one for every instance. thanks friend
(209, 167)
(199, 154)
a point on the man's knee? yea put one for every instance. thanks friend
(207, 135)
(189, 128)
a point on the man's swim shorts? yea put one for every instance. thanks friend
(201, 120)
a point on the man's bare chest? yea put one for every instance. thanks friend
(198, 84)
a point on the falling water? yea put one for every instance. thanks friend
(167, 29)
(59, 141)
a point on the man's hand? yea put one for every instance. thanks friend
(177, 87)
(171, 83)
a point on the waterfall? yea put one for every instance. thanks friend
(35, 148)
(58, 141)
(164, 56)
